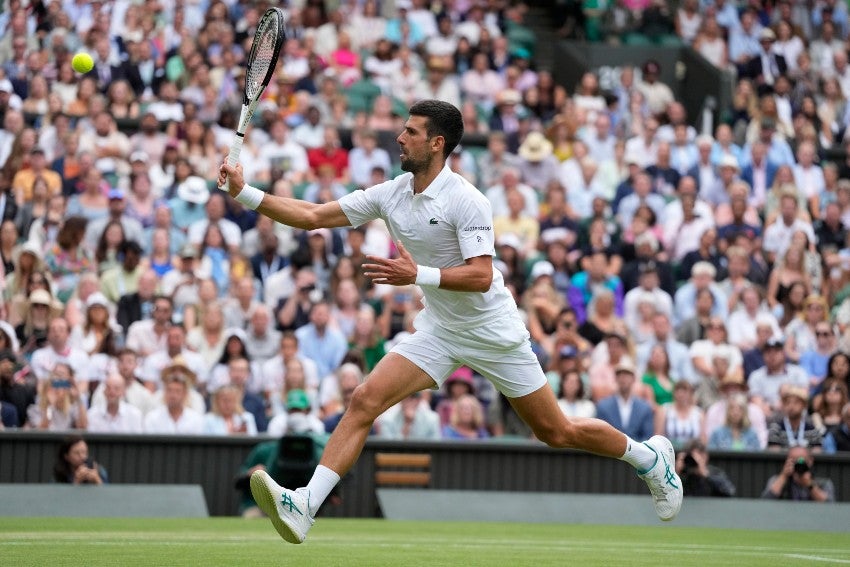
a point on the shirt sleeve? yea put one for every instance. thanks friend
(474, 222)
(362, 206)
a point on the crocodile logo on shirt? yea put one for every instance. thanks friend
(433, 221)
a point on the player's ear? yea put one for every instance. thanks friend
(438, 143)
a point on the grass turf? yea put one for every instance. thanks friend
(233, 541)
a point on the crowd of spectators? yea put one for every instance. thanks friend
(675, 282)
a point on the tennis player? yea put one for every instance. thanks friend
(443, 228)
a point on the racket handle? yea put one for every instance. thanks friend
(235, 150)
(233, 156)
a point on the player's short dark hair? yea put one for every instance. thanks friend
(444, 119)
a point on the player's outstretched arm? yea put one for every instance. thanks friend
(291, 212)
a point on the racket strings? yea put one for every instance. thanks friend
(263, 55)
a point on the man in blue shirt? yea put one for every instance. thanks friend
(320, 343)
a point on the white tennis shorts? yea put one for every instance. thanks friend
(501, 352)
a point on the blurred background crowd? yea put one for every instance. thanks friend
(680, 281)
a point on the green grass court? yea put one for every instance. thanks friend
(232, 541)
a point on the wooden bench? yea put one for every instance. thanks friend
(403, 469)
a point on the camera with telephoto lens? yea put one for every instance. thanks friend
(801, 466)
(690, 463)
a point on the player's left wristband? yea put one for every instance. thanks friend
(426, 275)
(251, 197)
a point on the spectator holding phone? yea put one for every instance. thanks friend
(796, 481)
(59, 405)
(74, 466)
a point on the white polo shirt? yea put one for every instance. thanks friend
(441, 227)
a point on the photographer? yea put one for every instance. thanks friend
(698, 477)
(73, 465)
(797, 480)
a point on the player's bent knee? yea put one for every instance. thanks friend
(365, 405)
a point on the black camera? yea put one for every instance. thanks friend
(689, 462)
(801, 466)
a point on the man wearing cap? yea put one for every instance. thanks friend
(766, 382)
(539, 167)
(25, 178)
(133, 229)
(715, 416)
(187, 206)
(765, 67)
(702, 278)
(470, 318)
(625, 411)
(792, 426)
(297, 419)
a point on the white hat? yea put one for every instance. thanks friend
(555, 234)
(139, 155)
(509, 239)
(6, 86)
(97, 298)
(729, 161)
(542, 268)
(194, 190)
(535, 147)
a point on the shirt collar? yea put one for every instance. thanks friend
(437, 185)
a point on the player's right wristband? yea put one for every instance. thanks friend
(426, 275)
(251, 197)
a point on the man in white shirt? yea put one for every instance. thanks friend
(274, 369)
(765, 383)
(216, 209)
(498, 195)
(645, 146)
(777, 236)
(114, 415)
(58, 350)
(134, 393)
(174, 416)
(284, 155)
(443, 221)
(175, 352)
(600, 142)
(148, 335)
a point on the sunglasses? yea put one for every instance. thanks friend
(567, 324)
(823, 334)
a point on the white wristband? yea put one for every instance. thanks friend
(426, 275)
(251, 197)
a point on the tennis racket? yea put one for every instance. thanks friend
(259, 68)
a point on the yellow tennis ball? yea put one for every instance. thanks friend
(82, 63)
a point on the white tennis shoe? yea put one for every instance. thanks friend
(664, 484)
(289, 510)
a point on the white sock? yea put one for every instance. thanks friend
(323, 481)
(639, 455)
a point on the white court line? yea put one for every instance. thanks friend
(170, 540)
(817, 558)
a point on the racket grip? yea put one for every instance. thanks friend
(233, 156)
(235, 150)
